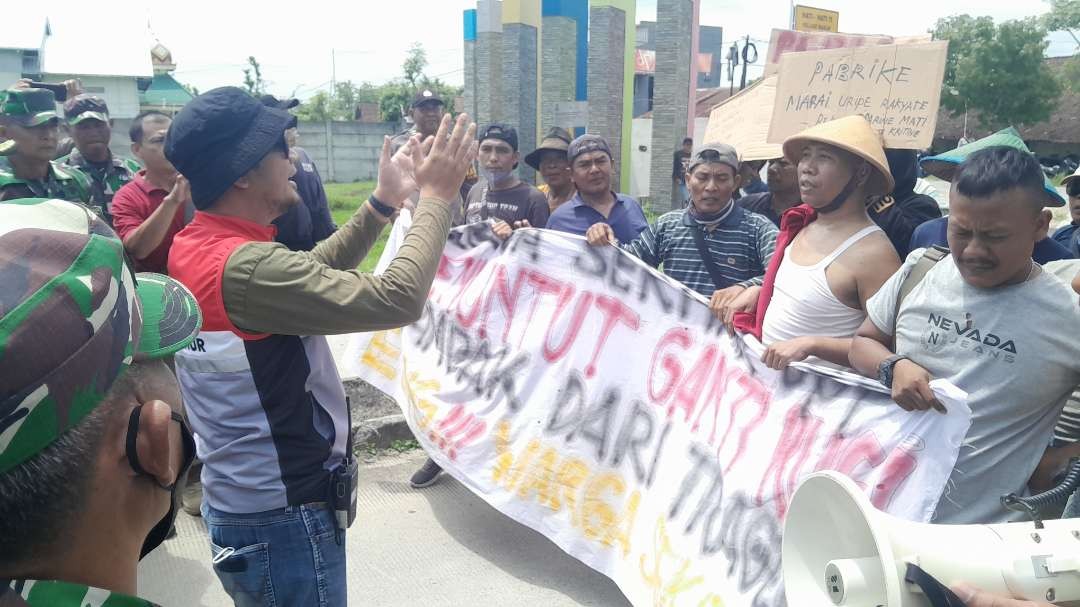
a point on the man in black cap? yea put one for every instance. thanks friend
(261, 386)
(595, 202)
(425, 111)
(29, 122)
(91, 129)
(304, 225)
(550, 160)
(501, 196)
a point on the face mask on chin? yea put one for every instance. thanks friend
(496, 177)
(160, 531)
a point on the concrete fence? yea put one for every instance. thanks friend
(343, 151)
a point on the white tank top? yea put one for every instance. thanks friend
(803, 304)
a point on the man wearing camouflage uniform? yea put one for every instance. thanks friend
(28, 120)
(88, 120)
(91, 436)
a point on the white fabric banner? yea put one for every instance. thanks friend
(597, 401)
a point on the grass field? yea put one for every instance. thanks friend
(344, 199)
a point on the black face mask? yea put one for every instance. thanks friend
(160, 531)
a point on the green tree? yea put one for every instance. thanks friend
(997, 71)
(415, 63)
(1063, 15)
(253, 80)
(316, 108)
(393, 98)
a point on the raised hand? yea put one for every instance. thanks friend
(441, 170)
(396, 182)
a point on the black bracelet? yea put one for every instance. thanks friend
(382, 209)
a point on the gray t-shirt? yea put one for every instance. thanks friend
(522, 201)
(1012, 349)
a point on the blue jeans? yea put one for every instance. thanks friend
(1072, 507)
(288, 556)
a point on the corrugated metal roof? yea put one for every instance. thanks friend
(124, 51)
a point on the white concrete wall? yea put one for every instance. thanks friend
(640, 135)
(121, 93)
(10, 67)
(700, 124)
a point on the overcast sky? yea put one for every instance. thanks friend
(210, 41)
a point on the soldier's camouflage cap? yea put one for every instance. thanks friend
(85, 107)
(29, 107)
(73, 317)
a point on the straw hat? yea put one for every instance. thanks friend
(851, 134)
(944, 165)
(557, 139)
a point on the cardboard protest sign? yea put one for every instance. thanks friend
(589, 397)
(790, 41)
(896, 87)
(743, 121)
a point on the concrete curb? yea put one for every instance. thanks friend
(376, 418)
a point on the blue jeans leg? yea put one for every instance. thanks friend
(288, 556)
(1072, 507)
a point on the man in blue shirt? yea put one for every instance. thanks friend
(590, 169)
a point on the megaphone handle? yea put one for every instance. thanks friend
(936, 593)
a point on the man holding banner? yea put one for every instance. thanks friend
(989, 320)
(713, 243)
(590, 169)
(816, 289)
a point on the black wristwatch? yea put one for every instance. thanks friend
(381, 208)
(885, 369)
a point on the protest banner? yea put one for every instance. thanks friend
(782, 42)
(896, 87)
(589, 397)
(743, 121)
(810, 19)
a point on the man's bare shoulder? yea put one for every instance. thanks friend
(872, 259)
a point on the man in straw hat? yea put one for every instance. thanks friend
(93, 441)
(830, 256)
(989, 320)
(944, 165)
(713, 243)
(553, 164)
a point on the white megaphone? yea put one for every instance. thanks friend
(840, 550)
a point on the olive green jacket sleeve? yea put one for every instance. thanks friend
(269, 289)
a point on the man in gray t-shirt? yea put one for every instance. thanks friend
(992, 322)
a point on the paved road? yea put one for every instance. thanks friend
(439, 546)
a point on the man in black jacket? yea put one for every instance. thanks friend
(901, 211)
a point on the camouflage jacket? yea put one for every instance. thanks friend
(62, 182)
(31, 593)
(104, 181)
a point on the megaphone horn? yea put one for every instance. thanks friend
(838, 550)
